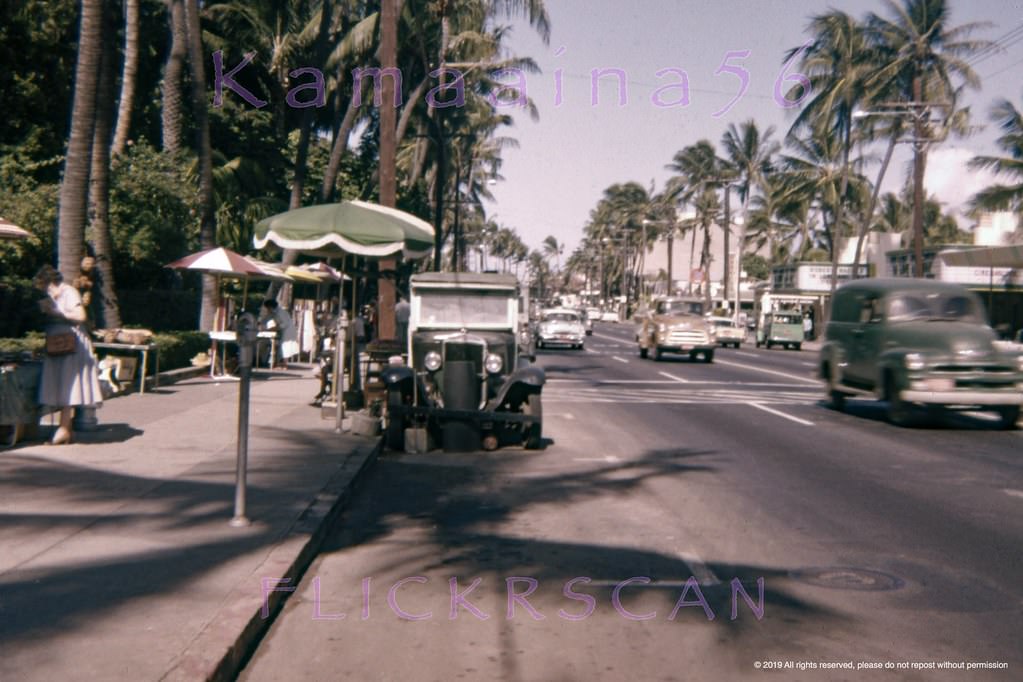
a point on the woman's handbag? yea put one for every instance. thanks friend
(61, 343)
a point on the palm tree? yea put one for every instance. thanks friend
(99, 189)
(74, 190)
(128, 77)
(204, 151)
(921, 56)
(552, 249)
(836, 64)
(699, 171)
(1004, 197)
(749, 161)
(173, 77)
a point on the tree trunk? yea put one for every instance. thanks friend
(128, 77)
(99, 191)
(173, 76)
(305, 131)
(865, 227)
(74, 189)
(207, 224)
(341, 143)
(840, 205)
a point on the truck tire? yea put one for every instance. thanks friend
(534, 432)
(394, 434)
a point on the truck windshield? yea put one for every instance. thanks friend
(944, 306)
(679, 308)
(463, 308)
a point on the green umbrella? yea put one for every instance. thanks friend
(354, 227)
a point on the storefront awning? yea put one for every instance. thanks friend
(991, 257)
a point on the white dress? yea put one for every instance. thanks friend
(289, 334)
(71, 379)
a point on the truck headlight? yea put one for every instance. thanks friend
(662, 328)
(432, 361)
(914, 361)
(493, 363)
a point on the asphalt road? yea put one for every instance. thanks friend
(666, 492)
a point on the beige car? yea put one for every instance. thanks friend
(728, 333)
(676, 325)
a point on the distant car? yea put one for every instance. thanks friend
(560, 327)
(676, 325)
(609, 316)
(593, 314)
(917, 342)
(726, 331)
(587, 322)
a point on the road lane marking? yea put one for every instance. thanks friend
(807, 364)
(672, 376)
(565, 415)
(699, 569)
(617, 339)
(695, 382)
(623, 360)
(607, 459)
(768, 371)
(780, 414)
(590, 350)
(1013, 493)
(748, 355)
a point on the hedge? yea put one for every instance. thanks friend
(176, 348)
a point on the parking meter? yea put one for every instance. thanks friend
(247, 331)
(340, 337)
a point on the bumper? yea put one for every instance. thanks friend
(560, 340)
(962, 397)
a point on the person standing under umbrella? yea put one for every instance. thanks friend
(71, 378)
(274, 317)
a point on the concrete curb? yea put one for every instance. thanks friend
(224, 646)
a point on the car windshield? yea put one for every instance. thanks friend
(560, 317)
(937, 306)
(679, 308)
(721, 322)
(786, 319)
(461, 308)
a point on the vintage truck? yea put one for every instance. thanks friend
(467, 383)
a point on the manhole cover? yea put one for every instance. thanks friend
(838, 578)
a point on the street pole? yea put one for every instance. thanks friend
(728, 232)
(918, 180)
(246, 335)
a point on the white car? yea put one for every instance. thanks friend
(726, 331)
(609, 316)
(560, 327)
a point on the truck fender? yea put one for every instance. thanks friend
(517, 387)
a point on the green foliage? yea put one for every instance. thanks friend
(19, 312)
(176, 348)
(152, 216)
(33, 207)
(756, 266)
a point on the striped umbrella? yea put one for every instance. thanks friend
(9, 230)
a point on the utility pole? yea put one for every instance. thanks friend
(388, 143)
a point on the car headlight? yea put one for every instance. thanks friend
(914, 361)
(662, 328)
(493, 363)
(432, 361)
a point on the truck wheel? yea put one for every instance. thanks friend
(798, 346)
(900, 413)
(657, 354)
(642, 352)
(394, 434)
(708, 356)
(534, 432)
(1009, 415)
(836, 399)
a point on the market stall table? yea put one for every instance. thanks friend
(142, 348)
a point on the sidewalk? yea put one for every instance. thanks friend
(116, 557)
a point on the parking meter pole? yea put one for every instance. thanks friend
(246, 334)
(339, 371)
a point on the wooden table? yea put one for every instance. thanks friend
(145, 349)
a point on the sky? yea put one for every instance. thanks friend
(580, 146)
